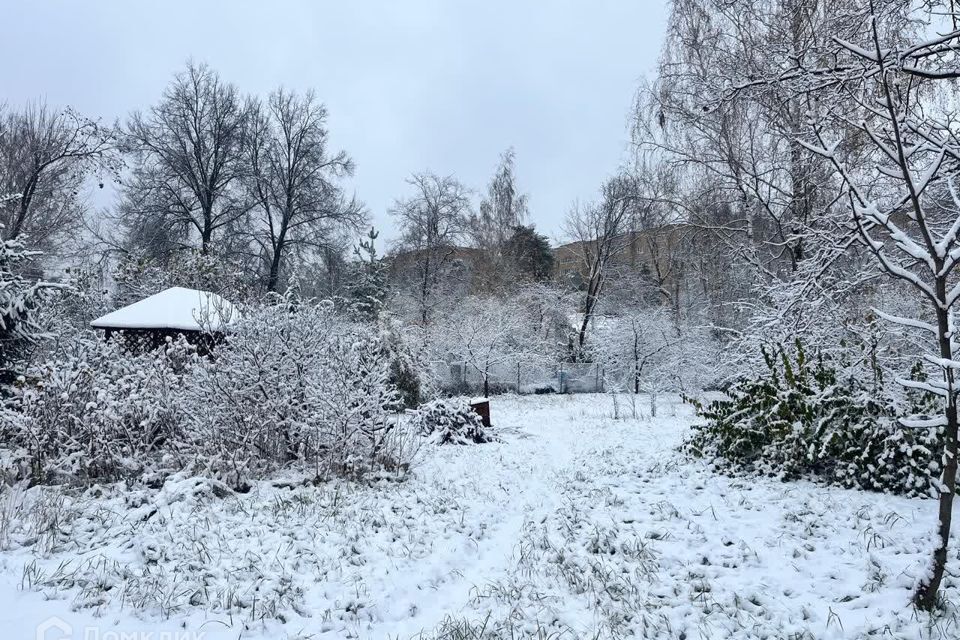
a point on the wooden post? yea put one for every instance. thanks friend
(518, 377)
(482, 408)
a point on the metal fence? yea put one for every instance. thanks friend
(525, 377)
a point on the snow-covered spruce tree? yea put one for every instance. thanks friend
(20, 298)
(408, 365)
(902, 194)
(365, 302)
(366, 288)
(357, 401)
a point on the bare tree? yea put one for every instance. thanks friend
(599, 235)
(640, 349)
(189, 159)
(745, 149)
(294, 180)
(501, 212)
(431, 221)
(659, 243)
(903, 198)
(738, 154)
(780, 263)
(486, 332)
(45, 156)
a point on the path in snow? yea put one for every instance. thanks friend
(576, 525)
(501, 488)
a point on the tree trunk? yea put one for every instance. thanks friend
(206, 237)
(425, 290)
(273, 279)
(926, 596)
(636, 363)
(593, 288)
(25, 199)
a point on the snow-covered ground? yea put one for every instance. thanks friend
(575, 525)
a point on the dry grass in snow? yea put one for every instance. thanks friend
(575, 525)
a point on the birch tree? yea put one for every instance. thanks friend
(502, 210)
(747, 150)
(902, 199)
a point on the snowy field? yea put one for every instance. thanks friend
(576, 525)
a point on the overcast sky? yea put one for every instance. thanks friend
(410, 85)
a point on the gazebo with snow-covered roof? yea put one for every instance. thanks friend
(200, 316)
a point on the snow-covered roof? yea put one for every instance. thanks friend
(174, 308)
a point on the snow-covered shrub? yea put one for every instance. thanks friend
(20, 297)
(451, 421)
(644, 350)
(96, 412)
(802, 420)
(293, 384)
(407, 364)
(358, 404)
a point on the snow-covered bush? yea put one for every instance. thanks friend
(20, 297)
(293, 384)
(648, 350)
(451, 421)
(97, 412)
(358, 408)
(407, 364)
(802, 419)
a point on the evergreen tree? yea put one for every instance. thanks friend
(530, 253)
(367, 287)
